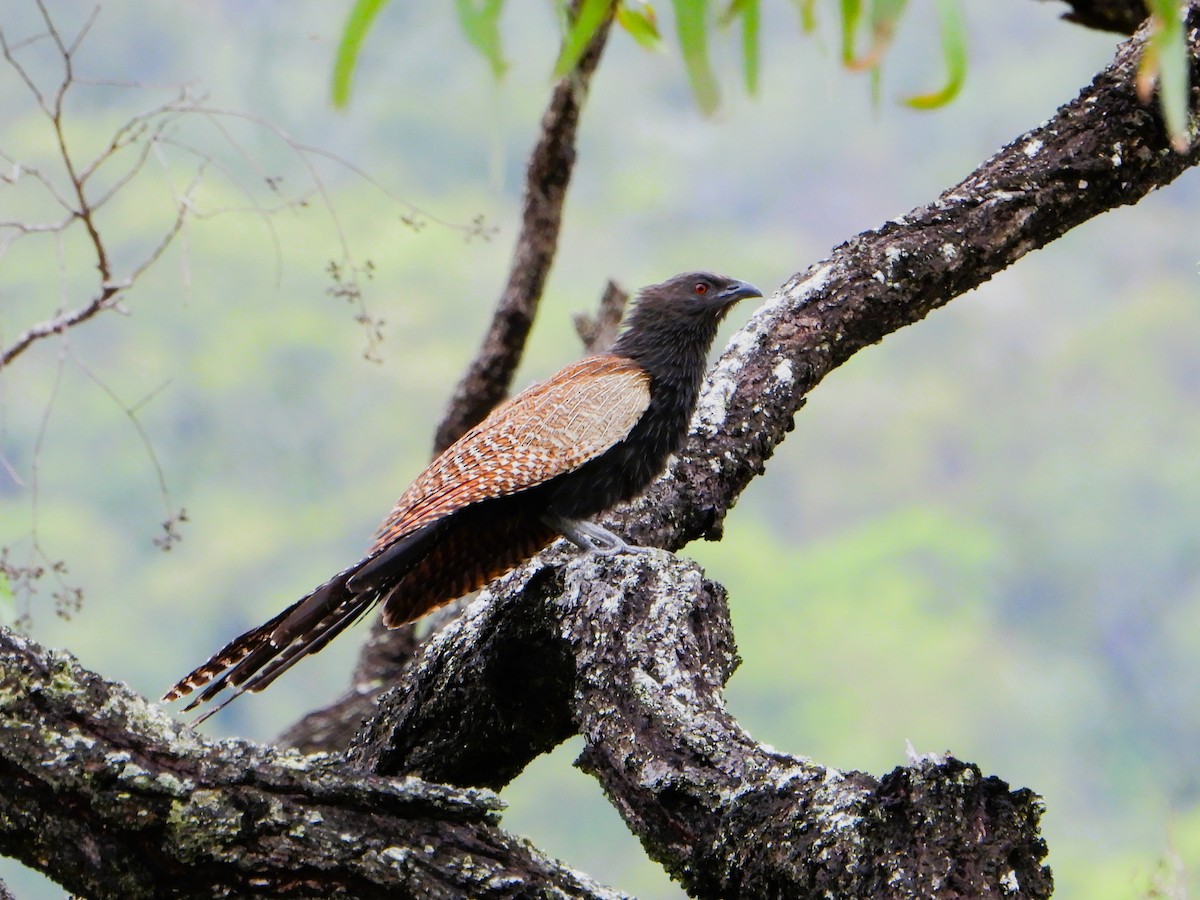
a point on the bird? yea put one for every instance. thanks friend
(540, 465)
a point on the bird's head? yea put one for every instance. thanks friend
(695, 294)
(681, 314)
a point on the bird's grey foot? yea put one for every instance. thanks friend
(592, 537)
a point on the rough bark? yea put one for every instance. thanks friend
(599, 331)
(112, 798)
(633, 652)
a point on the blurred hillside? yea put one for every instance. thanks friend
(983, 536)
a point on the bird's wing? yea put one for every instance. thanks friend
(547, 430)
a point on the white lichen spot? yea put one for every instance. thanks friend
(1009, 883)
(397, 855)
(1003, 195)
(1033, 148)
(878, 276)
(293, 759)
(1083, 184)
(894, 254)
(783, 371)
(949, 252)
(1116, 157)
(173, 785)
(714, 404)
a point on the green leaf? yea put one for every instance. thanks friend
(851, 15)
(748, 11)
(1165, 61)
(691, 24)
(480, 21)
(358, 23)
(808, 15)
(579, 35)
(954, 51)
(885, 14)
(641, 24)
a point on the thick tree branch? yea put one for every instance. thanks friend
(633, 652)
(547, 177)
(108, 796)
(1102, 150)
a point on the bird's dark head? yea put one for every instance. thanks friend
(694, 295)
(675, 322)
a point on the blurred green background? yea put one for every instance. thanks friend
(983, 536)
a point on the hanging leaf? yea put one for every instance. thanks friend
(480, 21)
(1165, 63)
(358, 23)
(808, 14)
(691, 24)
(641, 24)
(579, 35)
(851, 15)
(954, 52)
(885, 16)
(748, 11)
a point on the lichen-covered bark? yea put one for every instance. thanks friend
(638, 649)
(111, 798)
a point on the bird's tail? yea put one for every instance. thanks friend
(255, 659)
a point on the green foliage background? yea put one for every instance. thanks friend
(982, 536)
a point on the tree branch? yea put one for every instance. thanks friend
(547, 177)
(633, 652)
(108, 796)
(1103, 150)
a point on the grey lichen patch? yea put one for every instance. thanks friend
(65, 674)
(172, 785)
(294, 760)
(201, 826)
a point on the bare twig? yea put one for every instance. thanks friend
(599, 331)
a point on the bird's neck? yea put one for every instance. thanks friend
(673, 351)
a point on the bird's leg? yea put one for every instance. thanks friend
(590, 536)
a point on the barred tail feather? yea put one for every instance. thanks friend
(253, 660)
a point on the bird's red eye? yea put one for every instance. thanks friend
(701, 287)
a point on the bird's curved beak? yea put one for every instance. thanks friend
(739, 290)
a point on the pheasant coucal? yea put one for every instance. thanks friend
(591, 436)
